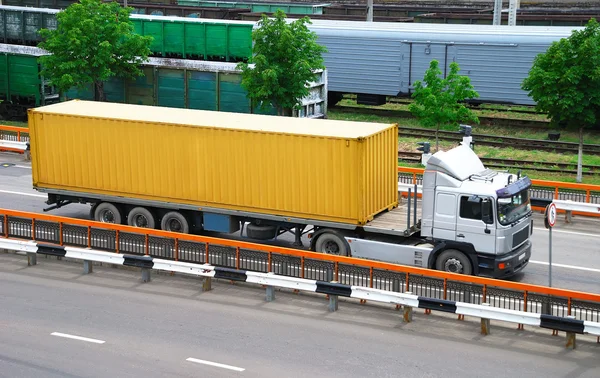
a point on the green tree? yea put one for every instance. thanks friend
(93, 42)
(285, 58)
(565, 80)
(439, 101)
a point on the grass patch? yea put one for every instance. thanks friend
(13, 123)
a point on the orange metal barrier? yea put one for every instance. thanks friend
(13, 133)
(25, 225)
(582, 191)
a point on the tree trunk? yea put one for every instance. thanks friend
(580, 155)
(99, 94)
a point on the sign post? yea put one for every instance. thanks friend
(549, 222)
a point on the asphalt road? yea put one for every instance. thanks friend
(575, 251)
(154, 329)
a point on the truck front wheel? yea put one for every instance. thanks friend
(106, 212)
(332, 244)
(454, 261)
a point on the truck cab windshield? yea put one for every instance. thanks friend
(513, 208)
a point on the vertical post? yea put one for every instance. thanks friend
(333, 301)
(498, 12)
(31, 258)
(407, 312)
(5, 226)
(369, 10)
(485, 323)
(408, 210)
(512, 12)
(571, 337)
(415, 209)
(87, 267)
(89, 230)
(270, 293)
(550, 257)
(60, 233)
(146, 275)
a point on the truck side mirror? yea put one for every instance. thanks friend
(486, 211)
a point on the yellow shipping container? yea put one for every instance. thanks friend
(326, 170)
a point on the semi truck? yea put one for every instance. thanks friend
(259, 176)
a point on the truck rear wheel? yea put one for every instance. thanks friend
(141, 217)
(454, 261)
(106, 212)
(332, 244)
(174, 221)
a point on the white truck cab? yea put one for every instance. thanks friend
(473, 220)
(490, 211)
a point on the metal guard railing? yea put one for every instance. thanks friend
(298, 263)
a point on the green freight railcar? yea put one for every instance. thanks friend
(21, 25)
(191, 38)
(21, 85)
(197, 85)
(261, 6)
(175, 37)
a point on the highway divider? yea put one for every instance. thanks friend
(333, 290)
(263, 258)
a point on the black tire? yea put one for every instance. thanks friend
(106, 212)
(332, 244)
(254, 231)
(174, 221)
(141, 217)
(452, 260)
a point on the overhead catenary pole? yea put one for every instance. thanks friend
(498, 12)
(369, 10)
(513, 5)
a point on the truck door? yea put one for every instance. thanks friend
(444, 217)
(470, 227)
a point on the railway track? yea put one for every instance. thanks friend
(495, 121)
(503, 141)
(506, 109)
(562, 168)
(480, 139)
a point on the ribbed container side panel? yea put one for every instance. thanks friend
(140, 91)
(379, 169)
(24, 79)
(332, 179)
(240, 42)
(174, 38)
(202, 90)
(171, 88)
(195, 40)
(216, 41)
(497, 73)
(362, 65)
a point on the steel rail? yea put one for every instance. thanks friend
(40, 222)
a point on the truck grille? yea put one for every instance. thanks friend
(520, 237)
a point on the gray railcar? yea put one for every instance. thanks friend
(374, 60)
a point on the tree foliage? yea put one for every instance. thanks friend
(439, 101)
(93, 42)
(285, 58)
(564, 82)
